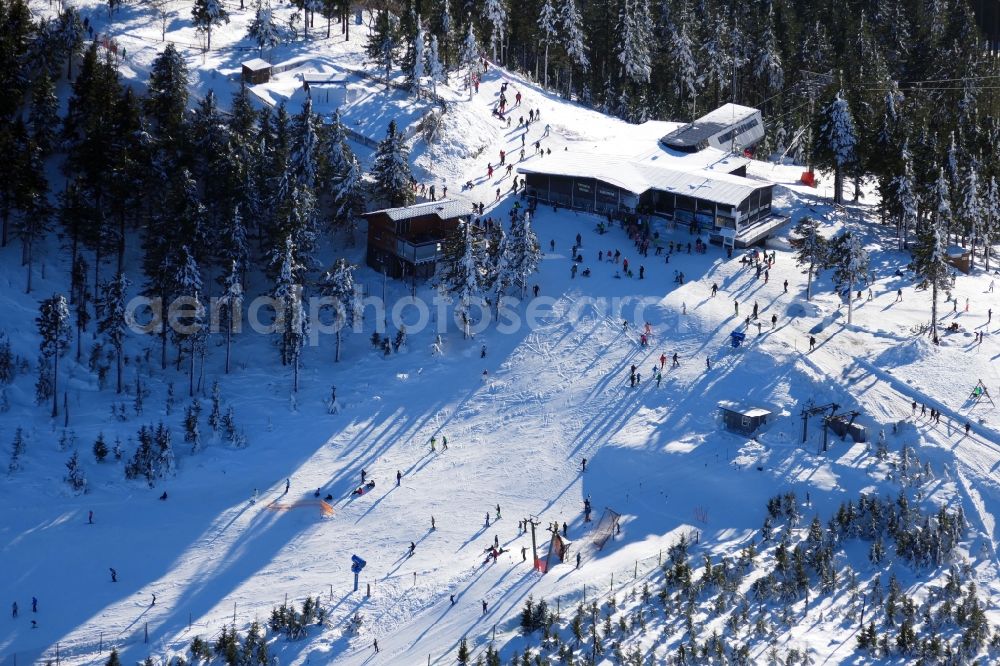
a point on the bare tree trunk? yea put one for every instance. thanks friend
(934, 299)
(55, 384)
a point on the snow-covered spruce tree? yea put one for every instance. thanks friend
(767, 66)
(849, 260)
(547, 20)
(462, 274)
(75, 477)
(297, 221)
(100, 448)
(54, 333)
(903, 192)
(419, 69)
(31, 198)
(634, 40)
(573, 39)
(435, 68)
(165, 463)
(262, 29)
(8, 362)
(16, 451)
(192, 425)
(686, 78)
(349, 195)
(189, 327)
(231, 303)
(391, 169)
(215, 415)
(337, 284)
(444, 28)
(304, 159)
(838, 140)
(498, 273)
(991, 220)
(384, 43)
(44, 116)
(810, 249)
(718, 59)
(288, 294)
(930, 252)
(113, 323)
(495, 14)
(206, 14)
(469, 58)
(970, 209)
(167, 95)
(524, 253)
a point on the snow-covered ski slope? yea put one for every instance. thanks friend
(556, 391)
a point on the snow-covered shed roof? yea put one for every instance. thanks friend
(446, 209)
(638, 177)
(701, 130)
(256, 64)
(743, 409)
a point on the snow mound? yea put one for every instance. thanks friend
(905, 353)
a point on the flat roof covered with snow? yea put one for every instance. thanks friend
(256, 64)
(446, 209)
(743, 409)
(640, 176)
(701, 130)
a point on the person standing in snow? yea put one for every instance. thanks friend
(708, 363)
(433, 526)
(375, 645)
(736, 305)
(90, 517)
(444, 443)
(484, 606)
(153, 602)
(288, 484)
(487, 519)
(399, 477)
(498, 512)
(363, 475)
(413, 548)
(578, 560)
(812, 343)
(584, 469)
(524, 553)
(433, 443)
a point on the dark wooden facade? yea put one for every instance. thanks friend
(408, 242)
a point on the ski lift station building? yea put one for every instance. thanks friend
(741, 418)
(731, 127)
(698, 185)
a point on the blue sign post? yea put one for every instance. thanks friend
(357, 564)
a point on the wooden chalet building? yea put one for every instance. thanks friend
(408, 241)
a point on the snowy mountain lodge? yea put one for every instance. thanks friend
(707, 187)
(407, 241)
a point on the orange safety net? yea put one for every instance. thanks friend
(324, 507)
